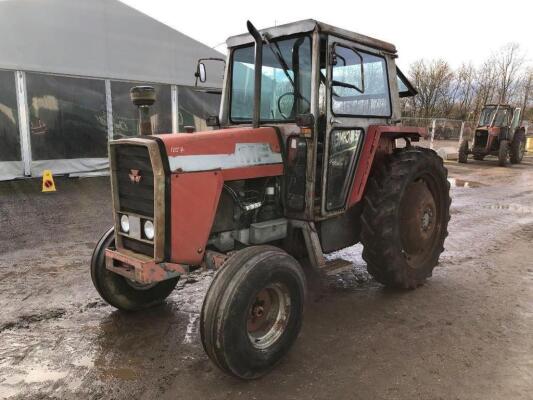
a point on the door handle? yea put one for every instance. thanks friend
(333, 121)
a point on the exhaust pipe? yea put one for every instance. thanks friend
(258, 62)
(143, 97)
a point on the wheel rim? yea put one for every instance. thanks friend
(140, 286)
(419, 222)
(268, 315)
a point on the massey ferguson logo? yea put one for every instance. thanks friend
(135, 176)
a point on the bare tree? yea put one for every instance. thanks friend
(432, 81)
(486, 86)
(509, 61)
(527, 91)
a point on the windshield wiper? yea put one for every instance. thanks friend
(279, 58)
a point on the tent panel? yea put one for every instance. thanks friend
(68, 118)
(69, 166)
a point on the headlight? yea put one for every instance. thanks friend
(149, 230)
(125, 223)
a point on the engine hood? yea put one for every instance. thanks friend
(224, 149)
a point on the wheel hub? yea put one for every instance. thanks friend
(268, 315)
(427, 219)
(418, 219)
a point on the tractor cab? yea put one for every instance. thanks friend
(321, 88)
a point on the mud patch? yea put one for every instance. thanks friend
(25, 321)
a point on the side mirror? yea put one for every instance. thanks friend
(201, 73)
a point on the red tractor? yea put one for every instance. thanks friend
(307, 158)
(498, 134)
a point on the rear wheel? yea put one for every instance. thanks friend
(463, 152)
(518, 147)
(405, 217)
(252, 312)
(119, 291)
(503, 153)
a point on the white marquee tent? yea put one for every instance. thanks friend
(66, 67)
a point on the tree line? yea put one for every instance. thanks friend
(506, 77)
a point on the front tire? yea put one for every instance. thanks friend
(116, 290)
(405, 217)
(503, 153)
(252, 312)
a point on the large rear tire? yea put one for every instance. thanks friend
(503, 153)
(405, 217)
(252, 312)
(518, 147)
(117, 290)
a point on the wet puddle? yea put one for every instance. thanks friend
(518, 208)
(455, 182)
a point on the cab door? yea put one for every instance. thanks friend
(357, 95)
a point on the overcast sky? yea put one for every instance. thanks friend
(455, 30)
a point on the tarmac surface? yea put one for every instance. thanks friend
(466, 334)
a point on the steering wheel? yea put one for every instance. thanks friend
(283, 115)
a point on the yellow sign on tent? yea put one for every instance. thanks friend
(48, 182)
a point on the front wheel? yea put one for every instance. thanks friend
(252, 312)
(119, 291)
(405, 217)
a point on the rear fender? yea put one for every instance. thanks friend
(379, 141)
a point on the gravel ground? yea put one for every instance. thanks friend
(466, 334)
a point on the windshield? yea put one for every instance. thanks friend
(487, 114)
(284, 93)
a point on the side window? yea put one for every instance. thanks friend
(360, 84)
(343, 150)
(405, 88)
(347, 73)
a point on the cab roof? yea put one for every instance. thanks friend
(309, 25)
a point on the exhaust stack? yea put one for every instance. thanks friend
(143, 97)
(258, 62)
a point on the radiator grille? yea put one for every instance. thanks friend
(138, 197)
(134, 197)
(480, 139)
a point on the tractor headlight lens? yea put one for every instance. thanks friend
(125, 223)
(149, 230)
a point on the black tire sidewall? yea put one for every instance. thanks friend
(516, 155)
(503, 153)
(229, 343)
(381, 226)
(115, 290)
(440, 185)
